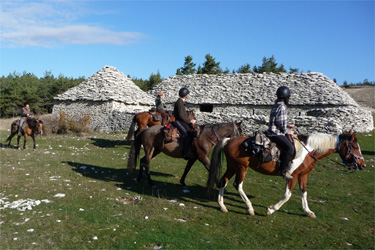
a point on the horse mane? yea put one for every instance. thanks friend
(322, 142)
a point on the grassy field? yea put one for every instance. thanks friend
(81, 197)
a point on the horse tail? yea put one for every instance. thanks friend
(215, 164)
(134, 152)
(131, 129)
(13, 130)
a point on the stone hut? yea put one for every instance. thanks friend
(317, 103)
(109, 97)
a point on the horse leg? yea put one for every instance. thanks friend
(24, 141)
(221, 185)
(33, 136)
(141, 166)
(18, 142)
(288, 193)
(148, 158)
(302, 186)
(239, 186)
(187, 169)
(10, 138)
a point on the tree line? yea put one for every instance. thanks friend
(16, 88)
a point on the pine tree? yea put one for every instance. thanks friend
(210, 66)
(189, 66)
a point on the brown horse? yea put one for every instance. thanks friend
(315, 147)
(152, 140)
(32, 128)
(144, 119)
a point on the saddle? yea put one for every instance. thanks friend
(171, 133)
(17, 124)
(156, 116)
(261, 146)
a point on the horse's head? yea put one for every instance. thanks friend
(349, 150)
(191, 115)
(237, 129)
(39, 127)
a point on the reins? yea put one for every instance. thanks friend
(325, 166)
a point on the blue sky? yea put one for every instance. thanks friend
(78, 38)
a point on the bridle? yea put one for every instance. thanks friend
(349, 151)
(351, 169)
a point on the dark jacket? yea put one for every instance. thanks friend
(159, 104)
(180, 111)
(24, 112)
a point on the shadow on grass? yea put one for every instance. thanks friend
(6, 146)
(368, 152)
(195, 194)
(106, 143)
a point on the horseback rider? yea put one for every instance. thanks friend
(183, 123)
(25, 113)
(160, 105)
(278, 127)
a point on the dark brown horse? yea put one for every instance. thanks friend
(152, 140)
(315, 147)
(144, 119)
(32, 128)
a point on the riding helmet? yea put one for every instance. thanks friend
(183, 92)
(283, 92)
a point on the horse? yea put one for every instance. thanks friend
(153, 143)
(314, 147)
(33, 127)
(145, 119)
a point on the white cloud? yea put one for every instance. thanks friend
(48, 24)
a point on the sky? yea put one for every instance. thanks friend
(140, 38)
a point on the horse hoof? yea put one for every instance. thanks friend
(311, 215)
(224, 209)
(251, 212)
(270, 211)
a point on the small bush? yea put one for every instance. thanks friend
(63, 124)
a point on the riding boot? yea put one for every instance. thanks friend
(188, 153)
(284, 167)
(20, 129)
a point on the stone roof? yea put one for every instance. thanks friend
(255, 89)
(106, 85)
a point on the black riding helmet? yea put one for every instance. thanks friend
(283, 92)
(183, 92)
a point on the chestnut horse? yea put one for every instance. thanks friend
(32, 128)
(143, 120)
(152, 140)
(315, 147)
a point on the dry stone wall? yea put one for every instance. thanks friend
(317, 103)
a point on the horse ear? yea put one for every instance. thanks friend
(353, 135)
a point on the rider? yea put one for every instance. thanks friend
(25, 113)
(160, 108)
(183, 123)
(278, 128)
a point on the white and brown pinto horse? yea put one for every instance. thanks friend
(32, 128)
(315, 147)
